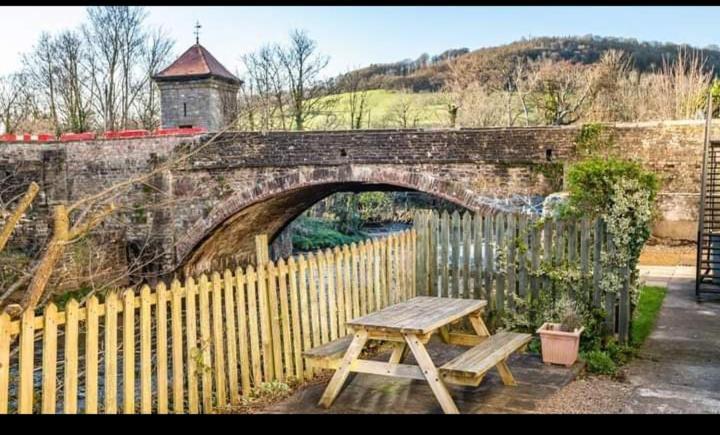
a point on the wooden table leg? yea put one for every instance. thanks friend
(398, 353)
(431, 374)
(478, 325)
(505, 374)
(338, 379)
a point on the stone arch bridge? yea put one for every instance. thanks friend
(212, 203)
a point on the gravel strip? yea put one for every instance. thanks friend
(590, 395)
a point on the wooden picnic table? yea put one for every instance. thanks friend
(409, 326)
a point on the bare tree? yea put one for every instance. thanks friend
(354, 86)
(563, 91)
(41, 69)
(72, 82)
(264, 94)
(156, 53)
(404, 113)
(15, 102)
(303, 65)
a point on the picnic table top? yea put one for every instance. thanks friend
(419, 315)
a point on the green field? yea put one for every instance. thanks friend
(381, 108)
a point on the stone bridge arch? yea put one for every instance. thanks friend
(268, 205)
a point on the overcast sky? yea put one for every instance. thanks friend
(359, 36)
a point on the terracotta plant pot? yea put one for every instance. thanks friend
(559, 347)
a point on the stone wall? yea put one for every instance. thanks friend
(247, 183)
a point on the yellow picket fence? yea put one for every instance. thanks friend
(201, 345)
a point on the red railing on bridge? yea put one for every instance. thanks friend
(119, 134)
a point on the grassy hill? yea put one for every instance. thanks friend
(383, 105)
(428, 74)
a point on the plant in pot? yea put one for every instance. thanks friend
(560, 341)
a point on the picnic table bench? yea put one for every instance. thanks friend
(409, 326)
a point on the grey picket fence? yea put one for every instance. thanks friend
(492, 256)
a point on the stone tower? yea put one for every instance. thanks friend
(197, 91)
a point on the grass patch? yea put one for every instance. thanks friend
(608, 358)
(312, 234)
(428, 107)
(646, 312)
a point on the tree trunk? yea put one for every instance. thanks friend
(24, 203)
(55, 250)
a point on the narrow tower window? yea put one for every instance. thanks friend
(184, 109)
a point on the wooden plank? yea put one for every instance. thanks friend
(314, 299)
(5, 338)
(304, 310)
(433, 254)
(264, 318)
(27, 353)
(489, 269)
(253, 328)
(354, 262)
(420, 225)
(547, 251)
(610, 297)
(597, 264)
(478, 255)
(624, 308)
(338, 379)
(192, 345)
(205, 344)
(466, 257)
(370, 271)
(295, 316)
(274, 315)
(332, 349)
(111, 301)
(70, 388)
(412, 253)
(162, 348)
(522, 254)
(535, 281)
(461, 339)
(431, 374)
(339, 289)
(377, 274)
(501, 274)
(362, 278)
(285, 320)
(322, 297)
(242, 319)
(560, 242)
(347, 285)
(128, 351)
(332, 293)
(419, 315)
(511, 243)
(176, 294)
(444, 246)
(585, 255)
(572, 232)
(49, 365)
(92, 331)
(145, 351)
(455, 269)
(486, 355)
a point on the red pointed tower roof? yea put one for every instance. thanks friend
(196, 63)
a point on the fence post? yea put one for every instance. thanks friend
(624, 314)
(262, 253)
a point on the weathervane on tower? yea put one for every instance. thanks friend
(197, 32)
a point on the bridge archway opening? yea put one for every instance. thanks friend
(234, 236)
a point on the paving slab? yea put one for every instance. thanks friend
(677, 368)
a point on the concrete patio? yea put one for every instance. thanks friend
(374, 394)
